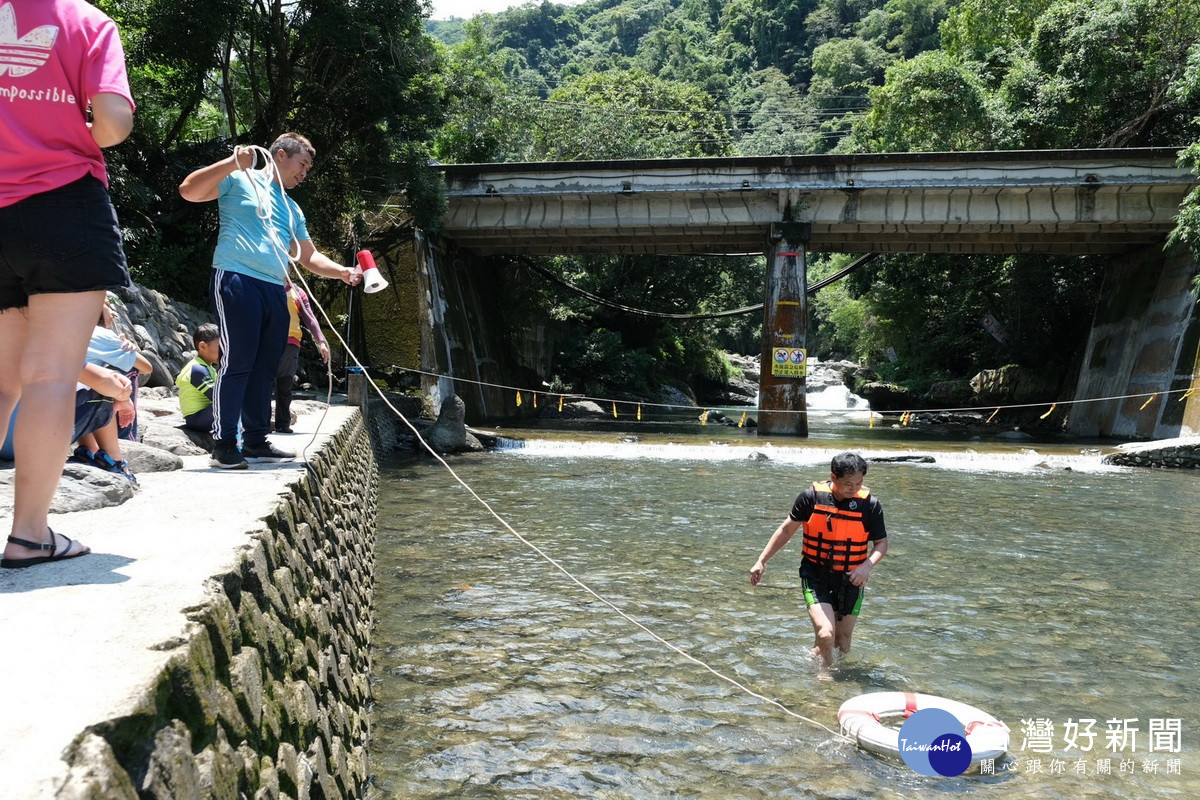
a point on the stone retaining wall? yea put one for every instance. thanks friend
(268, 695)
(1168, 453)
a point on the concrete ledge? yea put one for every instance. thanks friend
(214, 644)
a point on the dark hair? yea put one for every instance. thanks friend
(848, 464)
(205, 333)
(293, 144)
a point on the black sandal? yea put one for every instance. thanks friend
(52, 546)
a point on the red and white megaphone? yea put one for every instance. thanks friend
(373, 281)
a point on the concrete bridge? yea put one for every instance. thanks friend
(1061, 201)
(1113, 201)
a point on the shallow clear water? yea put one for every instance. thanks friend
(1028, 581)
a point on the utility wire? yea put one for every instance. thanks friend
(735, 312)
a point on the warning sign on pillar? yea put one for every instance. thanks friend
(788, 362)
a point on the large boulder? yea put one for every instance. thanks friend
(1014, 384)
(950, 394)
(449, 434)
(160, 327)
(886, 396)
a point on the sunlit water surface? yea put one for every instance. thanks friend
(1027, 580)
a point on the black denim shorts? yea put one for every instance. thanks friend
(64, 240)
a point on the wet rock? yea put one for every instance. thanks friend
(914, 459)
(449, 434)
(885, 396)
(668, 395)
(576, 409)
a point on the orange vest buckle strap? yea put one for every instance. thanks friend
(836, 537)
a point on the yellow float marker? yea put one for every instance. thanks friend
(639, 412)
(614, 409)
(993, 416)
(742, 421)
(1051, 411)
(518, 399)
(704, 417)
(1148, 402)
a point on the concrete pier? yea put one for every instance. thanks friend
(214, 642)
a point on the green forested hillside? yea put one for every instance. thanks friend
(668, 78)
(796, 76)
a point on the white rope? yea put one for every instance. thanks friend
(548, 558)
(263, 203)
(264, 214)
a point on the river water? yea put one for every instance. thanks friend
(1025, 579)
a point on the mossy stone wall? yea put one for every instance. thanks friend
(267, 694)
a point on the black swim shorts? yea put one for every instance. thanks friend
(832, 587)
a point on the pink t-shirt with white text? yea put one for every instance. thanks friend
(54, 56)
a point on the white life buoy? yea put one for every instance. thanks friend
(869, 719)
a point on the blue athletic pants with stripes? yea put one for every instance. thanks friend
(253, 316)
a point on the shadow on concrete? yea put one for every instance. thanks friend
(94, 568)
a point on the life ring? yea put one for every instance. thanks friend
(869, 718)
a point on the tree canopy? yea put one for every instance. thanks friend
(361, 80)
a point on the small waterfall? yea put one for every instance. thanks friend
(827, 390)
(826, 385)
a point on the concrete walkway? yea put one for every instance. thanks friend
(83, 639)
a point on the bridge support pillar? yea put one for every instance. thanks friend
(1144, 351)
(782, 410)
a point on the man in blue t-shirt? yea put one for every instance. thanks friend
(262, 230)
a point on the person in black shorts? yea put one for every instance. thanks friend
(844, 540)
(60, 244)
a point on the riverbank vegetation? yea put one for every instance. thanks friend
(382, 92)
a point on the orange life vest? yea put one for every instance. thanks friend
(834, 537)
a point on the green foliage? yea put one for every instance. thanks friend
(359, 79)
(928, 309)
(661, 351)
(845, 69)
(484, 111)
(628, 114)
(989, 31)
(932, 103)
(905, 27)
(1187, 225)
(778, 119)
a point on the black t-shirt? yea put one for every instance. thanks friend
(802, 509)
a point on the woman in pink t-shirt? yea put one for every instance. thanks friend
(60, 245)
